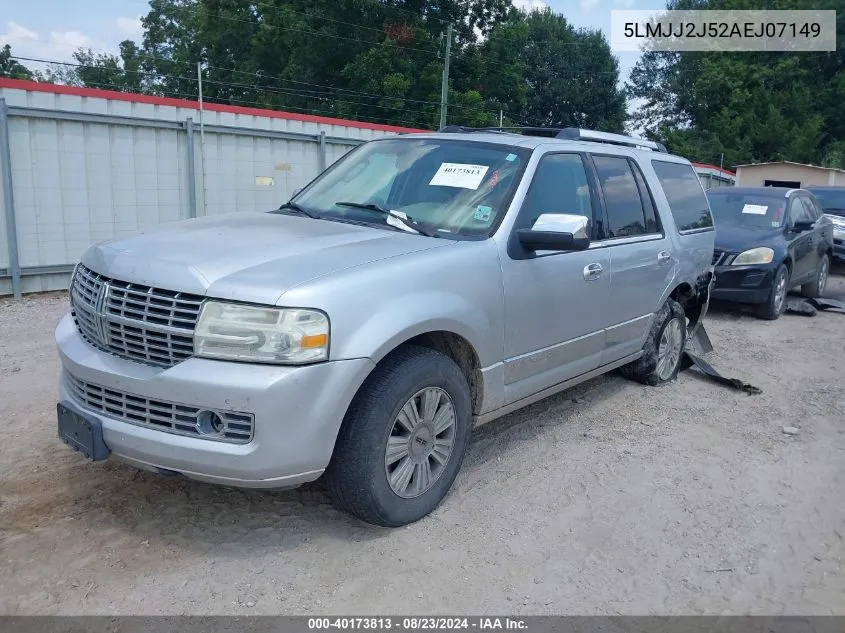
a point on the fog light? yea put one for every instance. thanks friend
(209, 423)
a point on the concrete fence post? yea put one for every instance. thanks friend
(192, 169)
(9, 200)
(323, 156)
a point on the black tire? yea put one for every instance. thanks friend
(771, 310)
(644, 370)
(816, 287)
(357, 477)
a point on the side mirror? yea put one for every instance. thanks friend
(803, 225)
(557, 232)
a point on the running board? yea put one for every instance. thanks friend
(550, 391)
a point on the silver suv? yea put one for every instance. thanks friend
(423, 284)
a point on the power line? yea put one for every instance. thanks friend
(281, 90)
(263, 105)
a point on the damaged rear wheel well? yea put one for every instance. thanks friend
(693, 299)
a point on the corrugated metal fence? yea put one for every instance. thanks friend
(80, 166)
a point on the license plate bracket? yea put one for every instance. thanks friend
(84, 434)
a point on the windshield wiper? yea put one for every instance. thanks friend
(407, 221)
(293, 206)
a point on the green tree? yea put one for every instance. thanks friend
(11, 68)
(549, 73)
(753, 106)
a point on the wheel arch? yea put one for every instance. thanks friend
(454, 346)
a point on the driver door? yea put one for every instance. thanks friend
(800, 244)
(556, 303)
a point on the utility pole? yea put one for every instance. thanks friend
(444, 90)
(501, 118)
(199, 85)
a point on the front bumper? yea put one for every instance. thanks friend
(744, 284)
(297, 412)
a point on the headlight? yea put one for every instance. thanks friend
(229, 331)
(760, 255)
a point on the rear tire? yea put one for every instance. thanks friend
(776, 301)
(403, 439)
(816, 287)
(663, 352)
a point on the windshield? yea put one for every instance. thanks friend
(830, 199)
(759, 211)
(448, 188)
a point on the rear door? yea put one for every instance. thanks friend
(641, 258)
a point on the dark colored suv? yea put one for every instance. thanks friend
(832, 200)
(768, 241)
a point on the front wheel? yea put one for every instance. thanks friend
(403, 439)
(776, 301)
(816, 287)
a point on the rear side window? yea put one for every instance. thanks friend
(686, 197)
(626, 212)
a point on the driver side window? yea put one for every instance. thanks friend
(559, 185)
(797, 211)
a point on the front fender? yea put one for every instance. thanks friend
(411, 314)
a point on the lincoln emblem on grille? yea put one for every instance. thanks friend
(101, 323)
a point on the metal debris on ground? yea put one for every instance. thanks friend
(810, 307)
(699, 344)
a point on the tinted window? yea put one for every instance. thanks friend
(625, 209)
(810, 208)
(798, 212)
(651, 223)
(559, 186)
(685, 195)
(752, 210)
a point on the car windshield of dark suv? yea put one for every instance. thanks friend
(751, 210)
(443, 188)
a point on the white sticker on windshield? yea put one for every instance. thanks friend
(755, 209)
(459, 175)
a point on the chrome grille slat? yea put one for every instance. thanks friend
(159, 415)
(142, 323)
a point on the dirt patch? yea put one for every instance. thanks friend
(613, 498)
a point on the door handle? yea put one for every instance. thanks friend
(592, 272)
(664, 257)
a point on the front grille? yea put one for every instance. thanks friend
(179, 419)
(134, 321)
(722, 258)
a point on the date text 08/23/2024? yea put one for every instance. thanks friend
(416, 623)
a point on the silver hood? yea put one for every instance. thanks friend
(253, 257)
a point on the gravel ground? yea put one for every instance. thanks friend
(612, 498)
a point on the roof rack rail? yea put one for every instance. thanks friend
(568, 134)
(526, 131)
(577, 134)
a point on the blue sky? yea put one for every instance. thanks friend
(53, 29)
